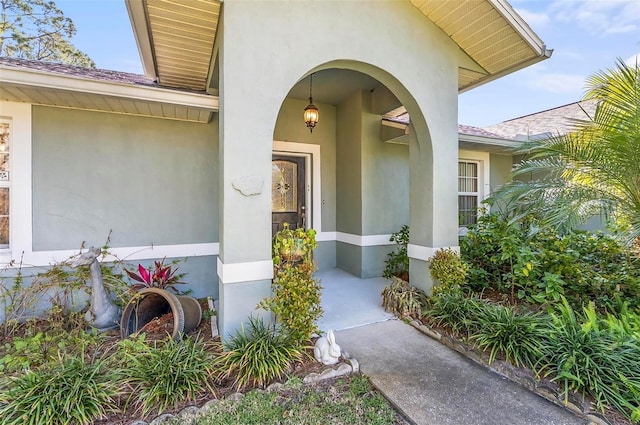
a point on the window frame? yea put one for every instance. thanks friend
(7, 183)
(483, 188)
(19, 116)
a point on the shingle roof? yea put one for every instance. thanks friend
(476, 131)
(79, 71)
(545, 123)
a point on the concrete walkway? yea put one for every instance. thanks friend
(434, 385)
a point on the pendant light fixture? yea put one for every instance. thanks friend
(311, 113)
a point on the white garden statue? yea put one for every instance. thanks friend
(326, 351)
(103, 314)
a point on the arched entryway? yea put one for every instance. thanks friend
(349, 179)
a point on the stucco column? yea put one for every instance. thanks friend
(433, 193)
(245, 267)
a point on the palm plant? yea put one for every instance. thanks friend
(593, 170)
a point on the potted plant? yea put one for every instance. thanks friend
(153, 300)
(293, 245)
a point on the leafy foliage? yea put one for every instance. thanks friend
(518, 336)
(38, 30)
(41, 348)
(590, 171)
(162, 374)
(69, 391)
(584, 357)
(23, 296)
(456, 311)
(258, 354)
(296, 294)
(397, 262)
(160, 276)
(538, 265)
(402, 299)
(448, 269)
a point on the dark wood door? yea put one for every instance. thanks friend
(287, 192)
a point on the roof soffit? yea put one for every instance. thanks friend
(494, 37)
(176, 38)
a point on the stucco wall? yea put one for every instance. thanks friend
(385, 178)
(143, 181)
(500, 169)
(349, 165)
(147, 181)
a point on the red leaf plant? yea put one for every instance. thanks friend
(160, 276)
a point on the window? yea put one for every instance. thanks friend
(4, 184)
(468, 192)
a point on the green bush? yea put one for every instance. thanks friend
(456, 311)
(402, 299)
(539, 266)
(518, 336)
(295, 298)
(67, 392)
(161, 374)
(38, 348)
(258, 354)
(448, 269)
(397, 262)
(584, 356)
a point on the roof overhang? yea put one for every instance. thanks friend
(60, 90)
(397, 132)
(176, 39)
(473, 142)
(491, 33)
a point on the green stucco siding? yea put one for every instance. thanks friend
(349, 169)
(500, 171)
(145, 181)
(385, 178)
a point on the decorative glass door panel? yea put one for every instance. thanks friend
(287, 192)
(284, 186)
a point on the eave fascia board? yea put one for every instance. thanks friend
(138, 18)
(483, 140)
(520, 25)
(507, 71)
(33, 78)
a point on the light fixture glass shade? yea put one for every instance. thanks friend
(311, 115)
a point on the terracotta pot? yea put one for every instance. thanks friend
(154, 302)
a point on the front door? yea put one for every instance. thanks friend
(287, 192)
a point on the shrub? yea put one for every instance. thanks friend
(518, 336)
(402, 299)
(456, 311)
(258, 354)
(39, 348)
(296, 294)
(539, 266)
(448, 269)
(67, 392)
(164, 373)
(397, 262)
(586, 358)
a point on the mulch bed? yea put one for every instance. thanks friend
(160, 328)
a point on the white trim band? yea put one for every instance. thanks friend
(245, 272)
(47, 258)
(425, 253)
(363, 240)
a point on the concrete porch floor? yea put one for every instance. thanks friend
(349, 301)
